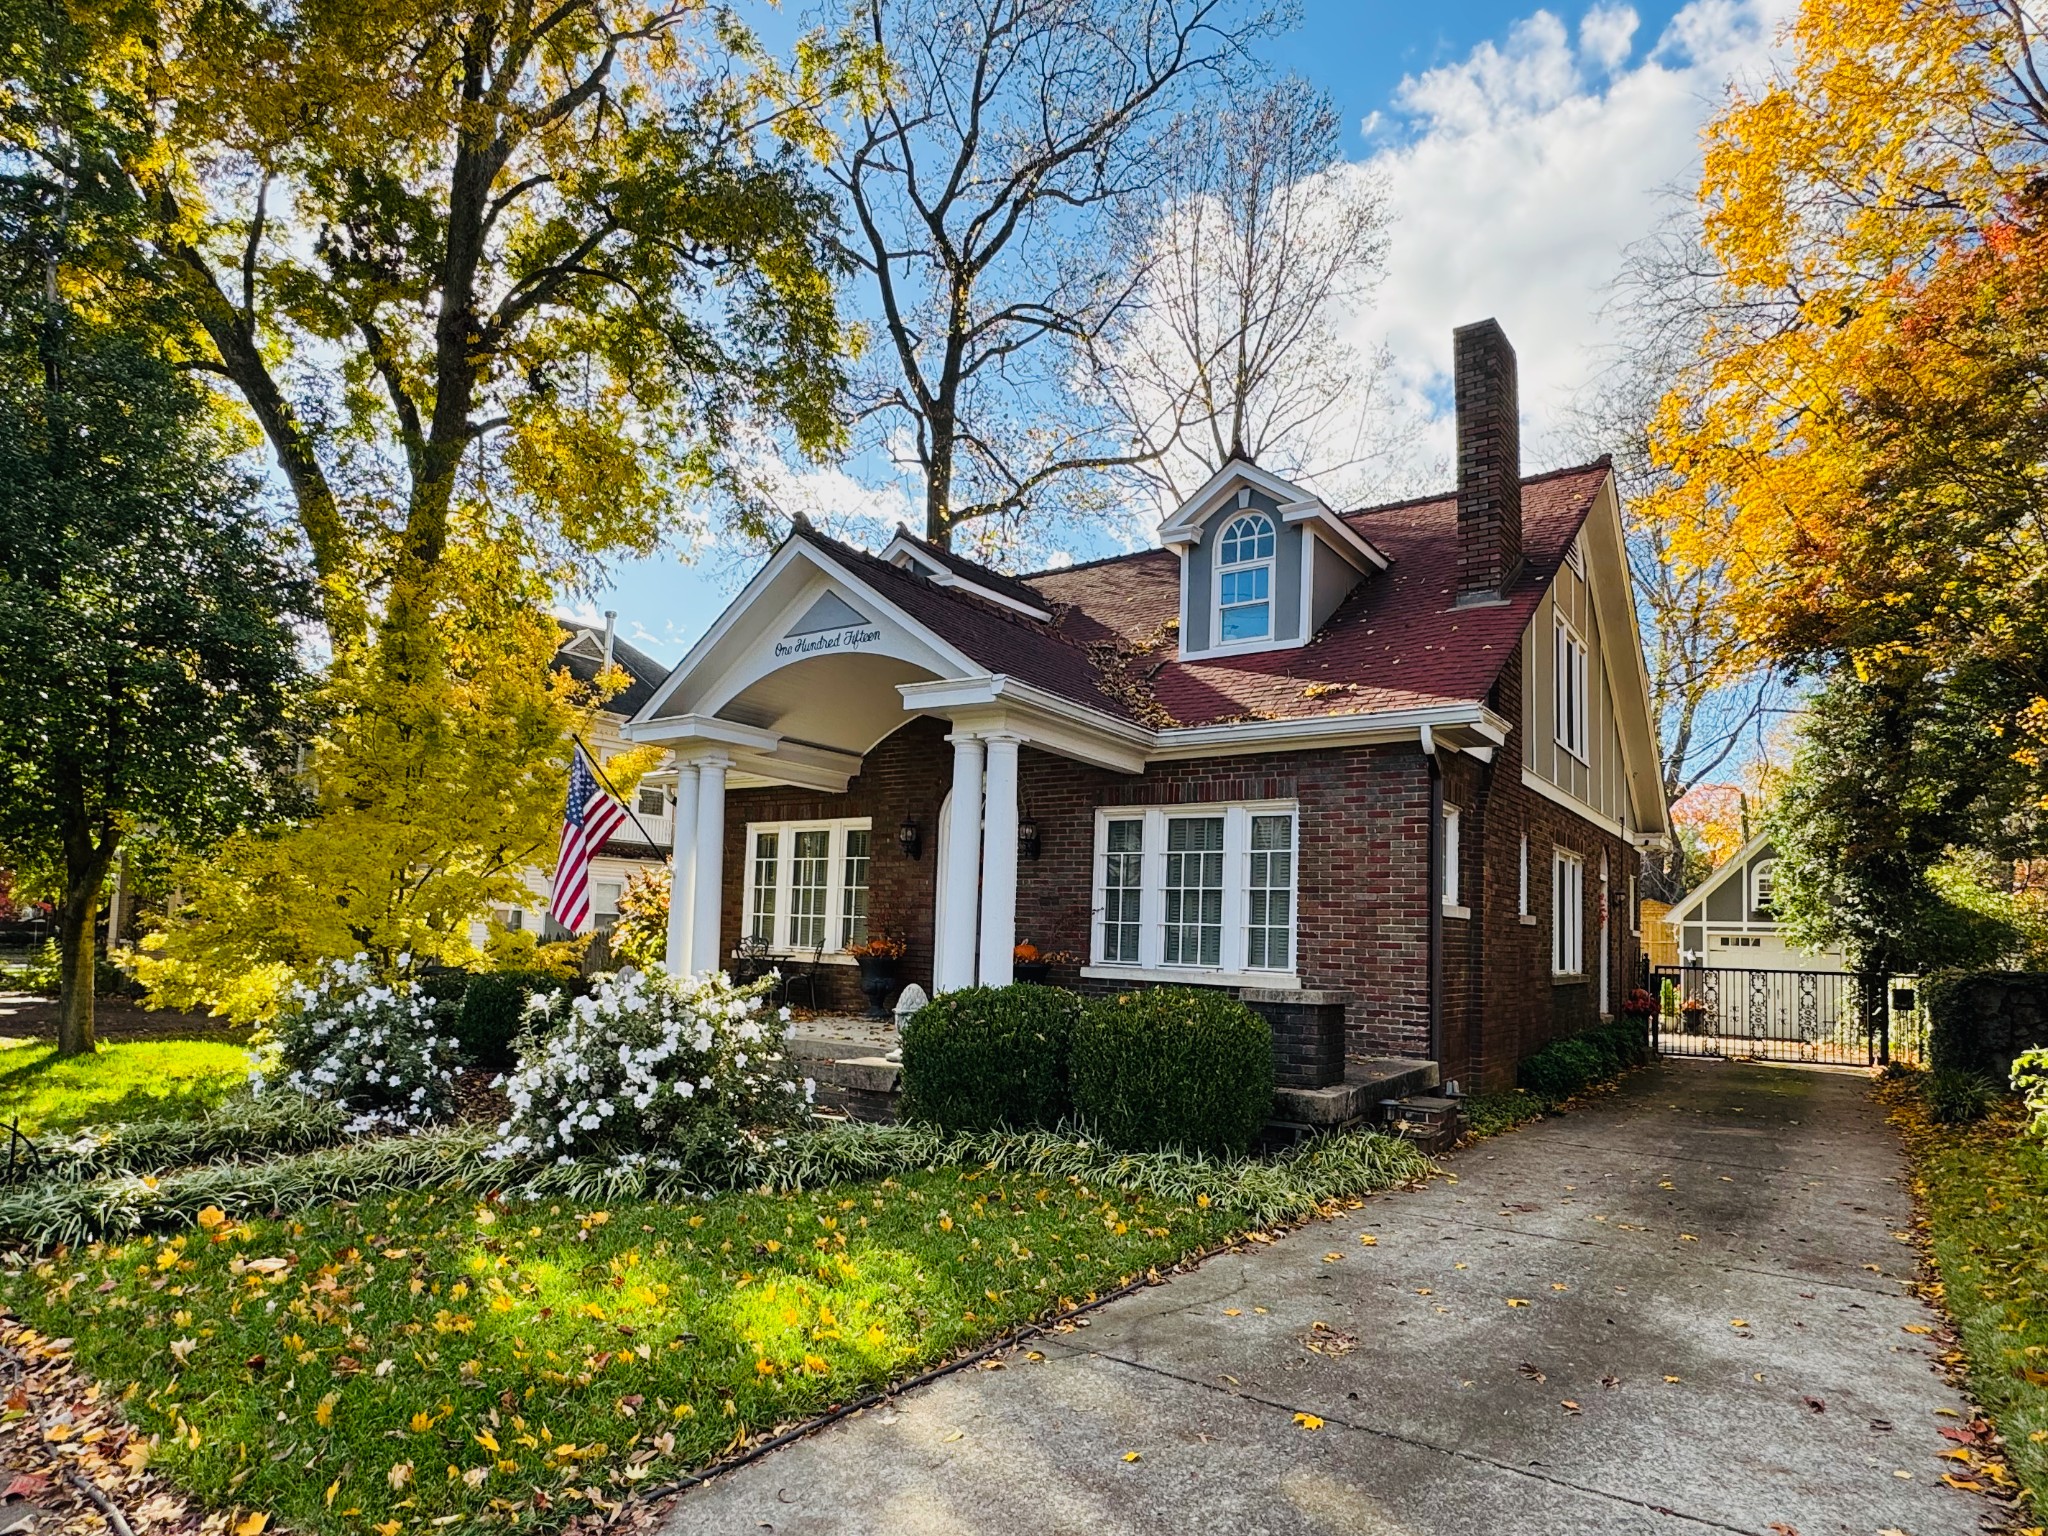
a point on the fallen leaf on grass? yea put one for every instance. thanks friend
(253, 1526)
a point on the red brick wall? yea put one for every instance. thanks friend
(1362, 923)
(1501, 1002)
(1362, 881)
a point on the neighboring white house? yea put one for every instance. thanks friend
(1726, 922)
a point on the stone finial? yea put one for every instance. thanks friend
(908, 1001)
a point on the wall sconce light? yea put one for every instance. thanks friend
(908, 838)
(1027, 839)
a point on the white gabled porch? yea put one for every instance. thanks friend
(806, 673)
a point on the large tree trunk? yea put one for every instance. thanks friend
(75, 946)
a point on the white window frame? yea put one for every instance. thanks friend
(1763, 873)
(1567, 913)
(1151, 964)
(1453, 848)
(1522, 881)
(835, 883)
(1568, 689)
(1271, 565)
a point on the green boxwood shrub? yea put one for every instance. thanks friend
(984, 1057)
(1184, 1067)
(1575, 1063)
(492, 1013)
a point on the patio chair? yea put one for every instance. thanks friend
(751, 960)
(802, 976)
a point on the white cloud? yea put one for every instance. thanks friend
(1526, 170)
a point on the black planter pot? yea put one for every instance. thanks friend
(1032, 970)
(878, 975)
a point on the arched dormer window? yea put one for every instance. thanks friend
(1244, 580)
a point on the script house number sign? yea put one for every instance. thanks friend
(852, 638)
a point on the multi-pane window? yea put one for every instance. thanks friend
(1244, 580)
(604, 903)
(853, 896)
(1269, 894)
(761, 910)
(1451, 849)
(1123, 871)
(1210, 891)
(1568, 914)
(1570, 689)
(810, 881)
(1194, 890)
(807, 884)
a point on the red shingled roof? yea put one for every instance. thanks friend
(1396, 643)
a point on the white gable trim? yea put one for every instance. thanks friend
(1695, 899)
(794, 551)
(1344, 539)
(1628, 673)
(1184, 525)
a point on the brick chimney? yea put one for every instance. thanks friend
(1489, 462)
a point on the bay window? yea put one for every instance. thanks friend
(1208, 890)
(806, 884)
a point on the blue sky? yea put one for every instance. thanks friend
(1524, 149)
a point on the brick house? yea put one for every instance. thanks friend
(1403, 755)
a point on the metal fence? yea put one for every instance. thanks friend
(1816, 1016)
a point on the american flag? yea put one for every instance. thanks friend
(592, 817)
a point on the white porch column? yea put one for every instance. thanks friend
(999, 863)
(708, 884)
(962, 874)
(682, 881)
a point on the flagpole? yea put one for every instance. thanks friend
(597, 768)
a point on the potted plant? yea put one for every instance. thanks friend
(1638, 1004)
(1027, 964)
(881, 959)
(1694, 1011)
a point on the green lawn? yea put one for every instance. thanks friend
(427, 1358)
(125, 1080)
(1984, 1189)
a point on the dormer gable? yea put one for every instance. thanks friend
(1264, 563)
(942, 568)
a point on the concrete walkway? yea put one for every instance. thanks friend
(1682, 1309)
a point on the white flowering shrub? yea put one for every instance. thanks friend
(650, 1066)
(373, 1048)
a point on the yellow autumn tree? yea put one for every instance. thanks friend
(438, 774)
(1896, 131)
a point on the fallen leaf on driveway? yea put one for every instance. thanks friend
(1568, 1405)
(951, 1435)
(1517, 1301)
(1308, 1421)
(1132, 1456)
(1672, 1379)
(1233, 1311)
(1332, 1257)
(1372, 1242)
(1916, 1328)
(1738, 1322)
(1784, 1530)
(1532, 1372)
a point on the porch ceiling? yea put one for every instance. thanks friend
(845, 703)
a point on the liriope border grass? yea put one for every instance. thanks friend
(45, 1213)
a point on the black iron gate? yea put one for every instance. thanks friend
(1818, 1016)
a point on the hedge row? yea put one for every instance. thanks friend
(1167, 1067)
(1570, 1066)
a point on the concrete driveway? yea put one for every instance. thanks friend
(1683, 1308)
